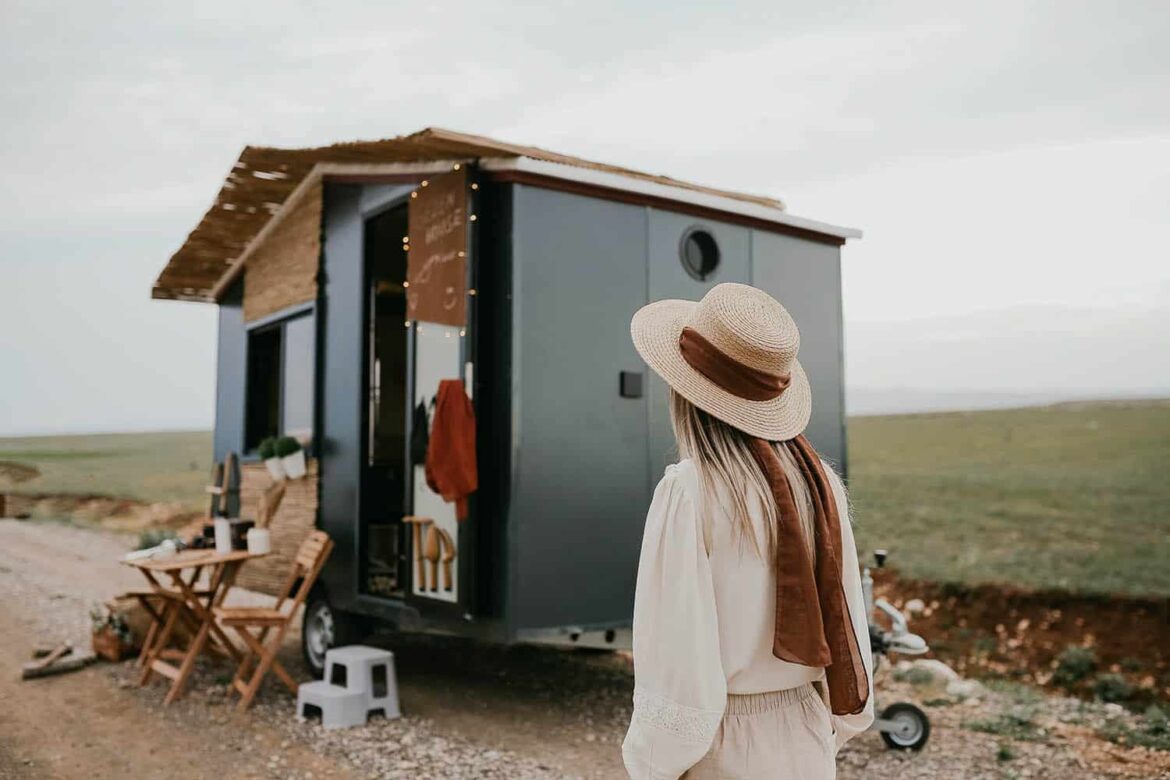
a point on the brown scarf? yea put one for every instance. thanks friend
(813, 627)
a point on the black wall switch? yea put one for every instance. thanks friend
(631, 384)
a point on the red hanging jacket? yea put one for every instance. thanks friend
(450, 467)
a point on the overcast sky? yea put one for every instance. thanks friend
(1008, 162)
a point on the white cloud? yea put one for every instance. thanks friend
(997, 154)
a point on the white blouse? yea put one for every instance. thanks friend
(704, 619)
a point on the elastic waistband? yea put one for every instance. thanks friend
(755, 703)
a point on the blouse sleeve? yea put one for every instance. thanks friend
(848, 726)
(680, 690)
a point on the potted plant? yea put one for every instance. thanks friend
(112, 639)
(271, 459)
(292, 456)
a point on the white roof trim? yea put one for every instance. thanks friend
(654, 189)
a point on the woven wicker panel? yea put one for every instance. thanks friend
(295, 518)
(282, 270)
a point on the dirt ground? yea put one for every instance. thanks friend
(471, 710)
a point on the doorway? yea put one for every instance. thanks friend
(384, 471)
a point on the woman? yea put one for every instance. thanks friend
(751, 645)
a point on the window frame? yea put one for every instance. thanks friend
(275, 322)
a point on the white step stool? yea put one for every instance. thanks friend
(365, 670)
(339, 708)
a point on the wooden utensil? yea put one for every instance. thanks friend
(448, 556)
(269, 502)
(215, 489)
(431, 553)
(419, 523)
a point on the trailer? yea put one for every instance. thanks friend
(351, 279)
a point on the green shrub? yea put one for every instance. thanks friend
(1074, 664)
(1131, 665)
(267, 448)
(1014, 725)
(286, 445)
(1112, 688)
(914, 676)
(1004, 752)
(1152, 732)
(153, 537)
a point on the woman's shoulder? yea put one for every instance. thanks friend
(684, 474)
(680, 480)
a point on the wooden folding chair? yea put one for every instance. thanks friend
(272, 622)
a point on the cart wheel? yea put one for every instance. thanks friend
(911, 727)
(323, 627)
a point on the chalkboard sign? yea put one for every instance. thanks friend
(437, 261)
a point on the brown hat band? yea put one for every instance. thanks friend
(746, 382)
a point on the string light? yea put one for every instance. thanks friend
(414, 194)
(471, 218)
(474, 186)
(425, 182)
(471, 291)
(457, 166)
(462, 253)
(406, 284)
(462, 332)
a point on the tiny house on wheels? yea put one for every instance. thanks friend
(353, 279)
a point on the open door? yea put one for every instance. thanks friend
(438, 313)
(385, 474)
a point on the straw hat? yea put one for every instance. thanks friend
(750, 327)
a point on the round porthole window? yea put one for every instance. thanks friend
(699, 253)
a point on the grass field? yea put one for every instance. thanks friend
(1072, 496)
(150, 467)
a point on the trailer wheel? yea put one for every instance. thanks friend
(323, 627)
(911, 727)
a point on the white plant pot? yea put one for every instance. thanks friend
(294, 465)
(223, 536)
(259, 541)
(275, 468)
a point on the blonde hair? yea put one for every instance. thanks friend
(723, 459)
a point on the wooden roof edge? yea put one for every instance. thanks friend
(237, 265)
(319, 172)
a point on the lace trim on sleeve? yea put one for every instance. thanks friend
(689, 724)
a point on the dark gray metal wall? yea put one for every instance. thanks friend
(579, 479)
(668, 279)
(341, 356)
(806, 277)
(585, 460)
(231, 368)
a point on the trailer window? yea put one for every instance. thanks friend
(262, 417)
(699, 253)
(281, 370)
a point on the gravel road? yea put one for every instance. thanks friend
(472, 710)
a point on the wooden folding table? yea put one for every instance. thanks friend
(185, 599)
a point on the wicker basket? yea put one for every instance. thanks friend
(107, 644)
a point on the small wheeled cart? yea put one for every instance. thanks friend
(903, 726)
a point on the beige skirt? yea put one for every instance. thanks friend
(766, 736)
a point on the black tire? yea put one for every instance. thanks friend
(914, 727)
(323, 627)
